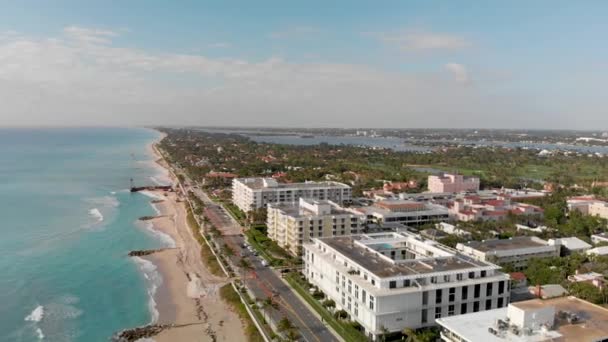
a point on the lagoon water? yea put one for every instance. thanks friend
(67, 222)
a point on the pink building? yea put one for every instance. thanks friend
(449, 182)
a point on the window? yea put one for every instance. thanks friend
(477, 290)
(459, 276)
(452, 294)
(500, 302)
(446, 278)
(356, 291)
(406, 283)
(465, 292)
(438, 294)
(373, 281)
(356, 309)
(438, 312)
(371, 302)
(488, 289)
(425, 298)
(488, 304)
(423, 318)
(433, 280)
(475, 306)
(463, 308)
(451, 310)
(350, 288)
(363, 295)
(471, 275)
(483, 274)
(392, 284)
(501, 287)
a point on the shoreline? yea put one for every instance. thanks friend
(188, 294)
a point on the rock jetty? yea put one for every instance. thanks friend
(145, 252)
(131, 335)
(148, 218)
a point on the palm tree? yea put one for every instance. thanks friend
(268, 304)
(384, 332)
(284, 325)
(411, 335)
(292, 335)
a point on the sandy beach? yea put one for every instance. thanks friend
(189, 294)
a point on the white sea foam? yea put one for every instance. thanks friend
(158, 212)
(154, 280)
(165, 239)
(36, 315)
(151, 194)
(96, 214)
(39, 334)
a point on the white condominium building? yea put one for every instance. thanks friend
(254, 193)
(392, 281)
(515, 251)
(292, 224)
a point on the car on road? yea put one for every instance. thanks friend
(264, 263)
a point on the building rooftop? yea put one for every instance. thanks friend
(591, 323)
(571, 243)
(384, 267)
(296, 209)
(517, 242)
(263, 183)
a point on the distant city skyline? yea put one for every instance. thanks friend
(394, 64)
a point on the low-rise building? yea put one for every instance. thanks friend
(390, 281)
(292, 224)
(598, 251)
(592, 278)
(588, 205)
(598, 238)
(255, 193)
(514, 251)
(452, 230)
(406, 212)
(570, 245)
(558, 319)
(450, 182)
(478, 208)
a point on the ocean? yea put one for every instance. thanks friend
(67, 222)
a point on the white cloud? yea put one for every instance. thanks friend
(423, 41)
(62, 81)
(87, 35)
(458, 71)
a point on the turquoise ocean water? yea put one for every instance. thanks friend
(67, 222)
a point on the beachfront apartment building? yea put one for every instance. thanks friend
(255, 193)
(293, 224)
(515, 251)
(404, 211)
(451, 182)
(390, 281)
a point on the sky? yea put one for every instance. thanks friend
(393, 64)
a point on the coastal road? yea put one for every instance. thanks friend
(263, 281)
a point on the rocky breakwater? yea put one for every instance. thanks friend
(134, 334)
(148, 218)
(145, 252)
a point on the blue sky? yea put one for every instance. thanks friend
(538, 64)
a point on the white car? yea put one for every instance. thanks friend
(264, 263)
